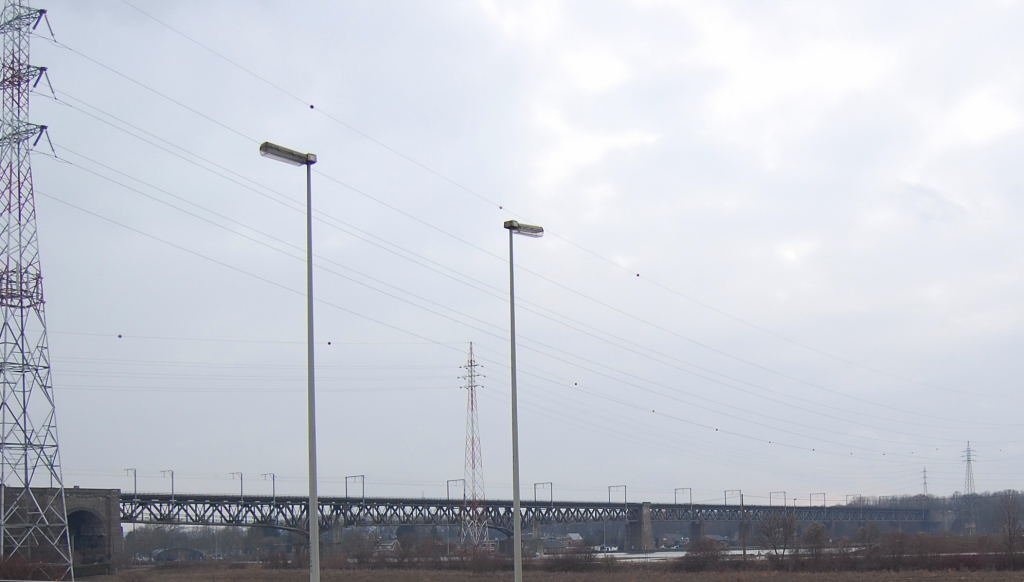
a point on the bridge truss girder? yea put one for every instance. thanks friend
(290, 512)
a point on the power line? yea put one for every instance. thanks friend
(242, 390)
(240, 270)
(318, 110)
(703, 345)
(500, 206)
(241, 340)
(375, 320)
(248, 365)
(646, 352)
(435, 304)
(150, 89)
(547, 346)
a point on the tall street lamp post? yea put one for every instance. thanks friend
(296, 158)
(515, 227)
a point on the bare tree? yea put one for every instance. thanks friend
(358, 545)
(815, 539)
(894, 546)
(777, 533)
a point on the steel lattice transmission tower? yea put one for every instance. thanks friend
(970, 515)
(969, 473)
(33, 519)
(475, 522)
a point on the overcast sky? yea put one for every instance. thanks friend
(784, 243)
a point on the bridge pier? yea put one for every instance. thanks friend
(744, 535)
(696, 531)
(94, 526)
(640, 534)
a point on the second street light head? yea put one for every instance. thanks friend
(286, 155)
(529, 230)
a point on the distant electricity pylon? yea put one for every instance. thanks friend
(969, 472)
(475, 522)
(924, 477)
(33, 518)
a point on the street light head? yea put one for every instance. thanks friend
(286, 155)
(529, 230)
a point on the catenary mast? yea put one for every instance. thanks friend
(33, 520)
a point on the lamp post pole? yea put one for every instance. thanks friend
(515, 227)
(517, 519)
(314, 503)
(296, 158)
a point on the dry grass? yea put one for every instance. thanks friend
(255, 574)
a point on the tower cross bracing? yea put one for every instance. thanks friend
(33, 518)
(475, 521)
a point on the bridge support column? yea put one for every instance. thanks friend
(696, 531)
(94, 526)
(744, 535)
(640, 534)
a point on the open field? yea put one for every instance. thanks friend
(628, 575)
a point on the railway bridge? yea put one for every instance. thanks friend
(98, 514)
(291, 512)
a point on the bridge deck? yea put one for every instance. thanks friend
(290, 512)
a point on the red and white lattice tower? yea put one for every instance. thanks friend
(33, 520)
(474, 524)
